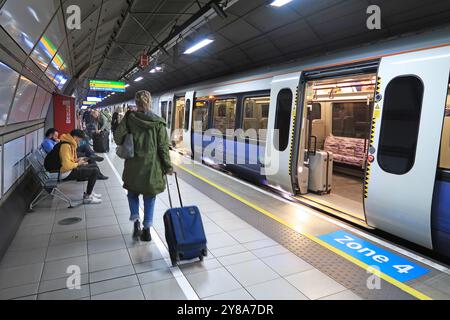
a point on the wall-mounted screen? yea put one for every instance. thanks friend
(13, 161)
(22, 101)
(31, 142)
(7, 87)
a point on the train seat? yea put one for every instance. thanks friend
(346, 150)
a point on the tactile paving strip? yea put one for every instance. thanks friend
(335, 266)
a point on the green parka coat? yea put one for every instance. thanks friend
(144, 174)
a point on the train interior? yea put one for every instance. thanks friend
(178, 121)
(339, 118)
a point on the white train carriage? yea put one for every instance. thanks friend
(382, 111)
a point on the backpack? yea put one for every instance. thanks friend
(52, 161)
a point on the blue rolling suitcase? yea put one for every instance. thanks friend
(184, 231)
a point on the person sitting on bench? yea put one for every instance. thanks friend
(74, 168)
(83, 150)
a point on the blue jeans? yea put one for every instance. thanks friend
(149, 206)
(85, 150)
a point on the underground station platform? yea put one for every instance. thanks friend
(260, 246)
(224, 158)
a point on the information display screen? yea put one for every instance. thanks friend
(103, 85)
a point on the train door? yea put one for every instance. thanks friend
(335, 120)
(167, 112)
(187, 125)
(178, 122)
(163, 108)
(404, 148)
(199, 125)
(277, 165)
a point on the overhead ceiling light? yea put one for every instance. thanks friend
(95, 99)
(198, 46)
(156, 69)
(138, 79)
(127, 85)
(279, 3)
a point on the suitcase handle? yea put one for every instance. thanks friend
(178, 189)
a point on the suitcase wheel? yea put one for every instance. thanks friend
(201, 257)
(204, 253)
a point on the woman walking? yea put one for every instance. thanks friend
(144, 173)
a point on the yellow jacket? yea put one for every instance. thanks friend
(68, 153)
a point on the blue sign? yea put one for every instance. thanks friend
(385, 261)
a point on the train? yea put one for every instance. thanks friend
(381, 110)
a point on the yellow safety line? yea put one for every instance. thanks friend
(398, 284)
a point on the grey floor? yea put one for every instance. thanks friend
(346, 195)
(243, 263)
(348, 186)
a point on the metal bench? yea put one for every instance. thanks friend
(48, 181)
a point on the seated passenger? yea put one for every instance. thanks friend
(83, 150)
(74, 168)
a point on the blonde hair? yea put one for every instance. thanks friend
(143, 100)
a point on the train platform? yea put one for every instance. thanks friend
(260, 246)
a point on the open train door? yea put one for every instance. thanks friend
(187, 124)
(405, 139)
(280, 133)
(166, 105)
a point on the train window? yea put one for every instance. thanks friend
(316, 112)
(187, 113)
(256, 112)
(444, 158)
(169, 115)
(351, 119)
(283, 118)
(200, 116)
(224, 114)
(9, 81)
(164, 110)
(400, 124)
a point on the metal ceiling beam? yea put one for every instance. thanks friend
(116, 33)
(156, 13)
(147, 32)
(179, 30)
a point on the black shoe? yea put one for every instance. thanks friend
(102, 177)
(137, 230)
(146, 236)
(96, 158)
